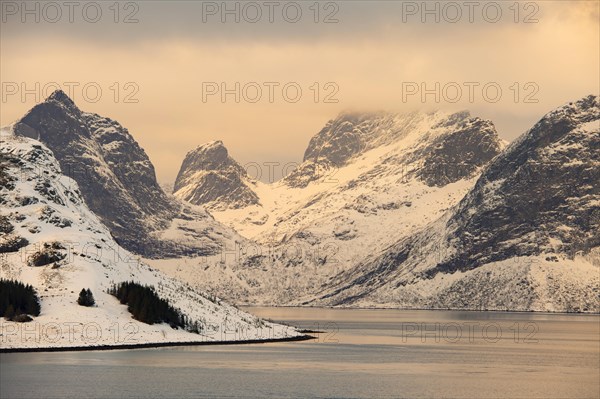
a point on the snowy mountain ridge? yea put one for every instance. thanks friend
(421, 210)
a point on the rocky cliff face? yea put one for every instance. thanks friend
(209, 176)
(470, 144)
(525, 237)
(116, 177)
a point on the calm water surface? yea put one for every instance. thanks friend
(360, 354)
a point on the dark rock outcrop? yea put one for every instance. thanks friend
(209, 176)
(464, 145)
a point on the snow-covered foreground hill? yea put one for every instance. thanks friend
(43, 216)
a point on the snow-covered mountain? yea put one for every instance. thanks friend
(366, 180)
(210, 177)
(53, 241)
(525, 237)
(451, 146)
(117, 181)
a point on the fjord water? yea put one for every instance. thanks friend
(360, 354)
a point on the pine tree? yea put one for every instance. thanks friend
(81, 299)
(86, 298)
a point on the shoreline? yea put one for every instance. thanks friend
(536, 312)
(304, 337)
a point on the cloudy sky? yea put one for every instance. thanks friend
(161, 66)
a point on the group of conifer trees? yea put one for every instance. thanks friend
(17, 299)
(145, 306)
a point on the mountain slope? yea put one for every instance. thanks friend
(525, 237)
(209, 176)
(51, 240)
(118, 183)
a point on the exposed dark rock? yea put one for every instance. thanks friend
(459, 154)
(12, 243)
(7, 182)
(49, 253)
(208, 175)
(5, 225)
(467, 143)
(48, 215)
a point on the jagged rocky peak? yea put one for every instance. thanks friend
(210, 156)
(114, 173)
(346, 136)
(61, 97)
(209, 176)
(57, 113)
(469, 144)
(352, 133)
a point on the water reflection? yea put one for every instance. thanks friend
(361, 353)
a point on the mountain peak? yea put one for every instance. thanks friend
(209, 175)
(214, 143)
(61, 97)
(212, 147)
(210, 156)
(582, 110)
